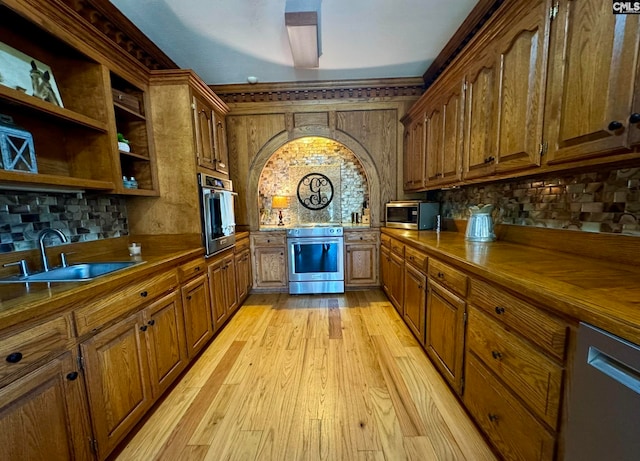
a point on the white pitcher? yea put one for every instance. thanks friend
(480, 225)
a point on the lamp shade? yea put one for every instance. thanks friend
(279, 201)
(302, 27)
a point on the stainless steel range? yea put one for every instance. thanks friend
(316, 259)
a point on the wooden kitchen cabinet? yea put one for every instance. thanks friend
(165, 340)
(222, 286)
(444, 127)
(445, 332)
(44, 415)
(515, 361)
(592, 82)
(361, 258)
(414, 153)
(116, 363)
(415, 292)
(211, 137)
(198, 316)
(521, 49)
(270, 262)
(507, 423)
(392, 270)
(243, 272)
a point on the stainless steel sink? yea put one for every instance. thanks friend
(73, 273)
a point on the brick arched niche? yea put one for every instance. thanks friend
(269, 175)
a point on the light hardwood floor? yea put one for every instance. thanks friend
(324, 377)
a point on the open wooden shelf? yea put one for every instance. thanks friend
(134, 155)
(44, 108)
(20, 178)
(128, 111)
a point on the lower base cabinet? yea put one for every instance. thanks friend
(222, 285)
(128, 365)
(243, 274)
(415, 301)
(43, 415)
(198, 319)
(445, 333)
(507, 423)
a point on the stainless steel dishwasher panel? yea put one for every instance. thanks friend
(604, 399)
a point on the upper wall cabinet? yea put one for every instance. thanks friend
(211, 137)
(70, 128)
(505, 93)
(414, 148)
(593, 77)
(444, 124)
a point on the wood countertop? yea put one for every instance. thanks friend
(20, 302)
(603, 293)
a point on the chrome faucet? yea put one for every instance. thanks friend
(41, 236)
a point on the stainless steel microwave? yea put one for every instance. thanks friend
(412, 214)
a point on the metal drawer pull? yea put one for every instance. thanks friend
(496, 355)
(614, 369)
(14, 357)
(151, 322)
(499, 310)
(440, 275)
(144, 294)
(493, 418)
(72, 376)
(143, 328)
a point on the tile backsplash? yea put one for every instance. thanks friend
(282, 172)
(600, 201)
(81, 217)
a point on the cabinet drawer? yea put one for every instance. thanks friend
(536, 325)
(446, 275)
(192, 268)
(507, 423)
(385, 241)
(397, 247)
(416, 258)
(122, 301)
(20, 350)
(241, 245)
(268, 239)
(361, 237)
(530, 374)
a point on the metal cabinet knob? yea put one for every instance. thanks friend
(14, 357)
(614, 126)
(634, 118)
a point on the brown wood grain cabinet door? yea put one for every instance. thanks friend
(243, 274)
(230, 284)
(217, 288)
(481, 105)
(453, 110)
(415, 301)
(118, 384)
(396, 282)
(414, 154)
(165, 338)
(593, 75)
(43, 415)
(361, 261)
(434, 124)
(204, 134)
(522, 52)
(221, 153)
(385, 261)
(271, 267)
(445, 333)
(198, 319)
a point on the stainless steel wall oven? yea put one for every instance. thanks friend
(218, 215)
(316, 260)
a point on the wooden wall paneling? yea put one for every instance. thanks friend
(377, 132)
(178, 211)
(246, 136)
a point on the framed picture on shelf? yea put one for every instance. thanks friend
(23, 73)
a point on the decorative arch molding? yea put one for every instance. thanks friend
(284, 137)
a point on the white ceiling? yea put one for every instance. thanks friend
(225, 41)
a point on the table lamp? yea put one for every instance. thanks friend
(278, 202)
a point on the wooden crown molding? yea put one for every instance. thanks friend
(467, 30)
(109, 21)
(321, 90)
